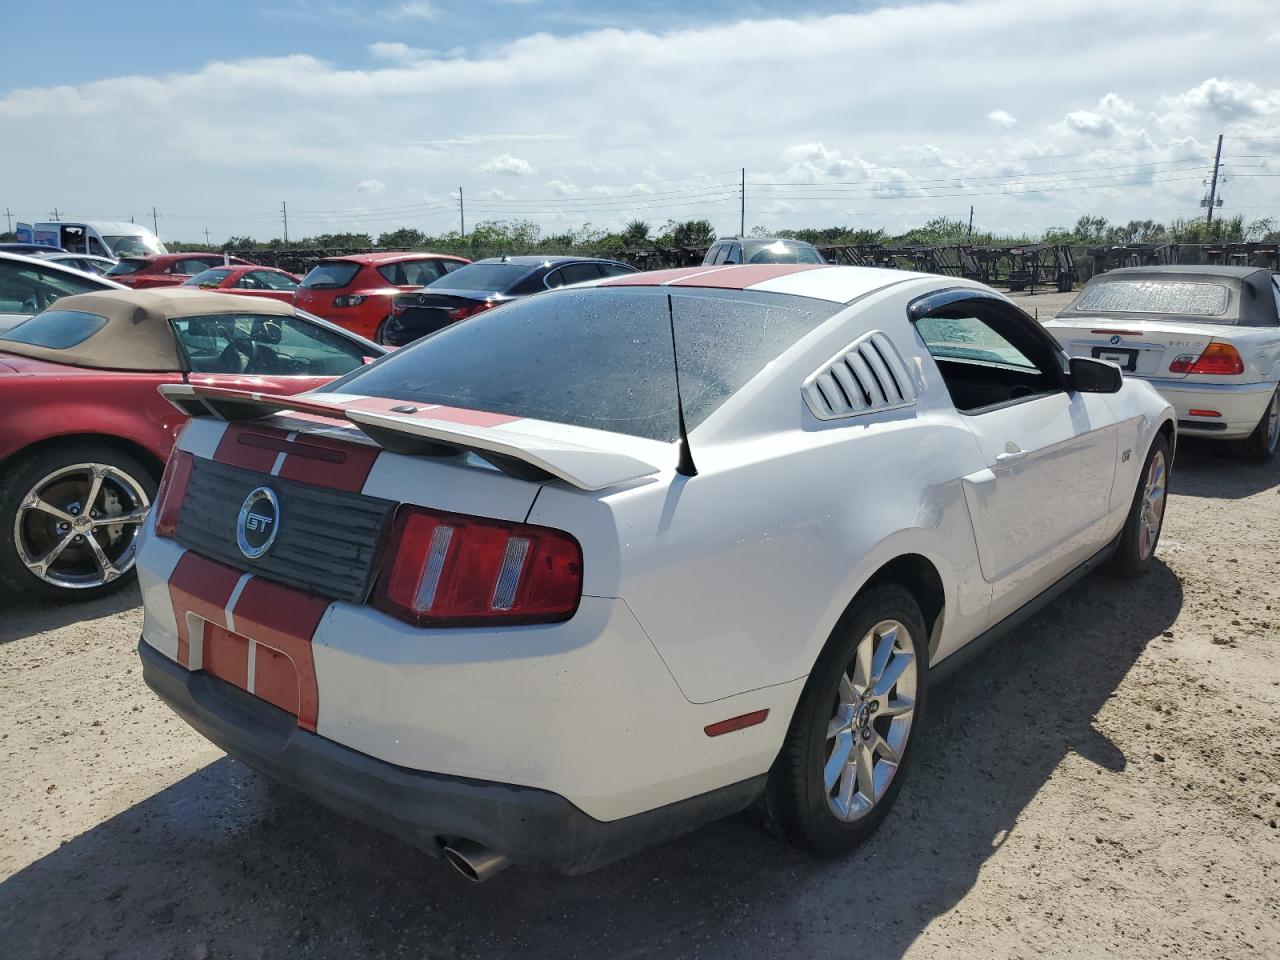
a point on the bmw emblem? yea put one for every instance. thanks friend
(1115, 340)
(258, 523)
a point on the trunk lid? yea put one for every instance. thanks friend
(1142, 348)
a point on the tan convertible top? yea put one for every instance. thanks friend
(137, 335)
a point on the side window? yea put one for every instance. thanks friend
(190, 268)
(1275, 289)
(716, 254)
(578, 272)
(555, 279)
(988, 354)
(97, 249)
(614, 269)
(264, 345)
(27, 289)
(733, 253)
(450, 266)
(270, 280)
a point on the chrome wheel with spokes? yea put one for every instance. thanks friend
(77, 526)
(1154, 495)
(868, 731)
(849, 744)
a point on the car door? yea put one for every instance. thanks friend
(1042, 505)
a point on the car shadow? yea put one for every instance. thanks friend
(1205, 468)
(223, 860)
(21, 617)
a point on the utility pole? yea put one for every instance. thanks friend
(462, 220)
(55, 214)
(1213, 185)
(284, 212)
(742, 216)
(155, 222)
(969, 235)
(206, 236)
(8, 216)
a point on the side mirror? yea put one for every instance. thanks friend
(1095, 376)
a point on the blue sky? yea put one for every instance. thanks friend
(573, 112)
(104, 39)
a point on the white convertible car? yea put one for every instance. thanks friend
(613, 561)
(1206, 337)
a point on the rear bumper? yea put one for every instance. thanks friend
(536, 829)
(1239, 406)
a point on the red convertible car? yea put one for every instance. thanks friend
(84, 432)
(166, 269)
(248, 280)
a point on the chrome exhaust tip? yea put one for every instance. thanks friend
(475, 862)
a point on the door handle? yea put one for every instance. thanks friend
(1012, 454)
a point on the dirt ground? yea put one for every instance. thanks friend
(1103, 782)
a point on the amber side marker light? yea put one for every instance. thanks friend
(735, 723)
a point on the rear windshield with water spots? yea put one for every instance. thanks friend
(598, 357)
(1184, 298)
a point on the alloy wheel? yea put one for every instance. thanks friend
(1153, 501)
(77, 527)
(868, 731)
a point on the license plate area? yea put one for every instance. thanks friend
(1125, 359)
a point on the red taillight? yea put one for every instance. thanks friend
(1203, 413)
(173, 486)
(451, 570)
(1221, 359)
(470, 309)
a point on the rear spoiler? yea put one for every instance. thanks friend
(523, 448)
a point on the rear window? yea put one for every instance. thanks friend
(598, 357)
(779, 251)
(1187, 298)
(330, 276)
(497, 277)
(56, 329)
(126, 267)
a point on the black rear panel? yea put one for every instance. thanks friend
(327, 543)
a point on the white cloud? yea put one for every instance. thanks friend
(507, 164)
(498, 114)
(1089, 123)
(1273, 36)
(370, 186)
(385, 50)
(412, 10)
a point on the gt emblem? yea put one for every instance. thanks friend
(1115, 340)
(258, 523)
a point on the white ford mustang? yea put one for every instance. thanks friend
(614, 561)
(1206, 337)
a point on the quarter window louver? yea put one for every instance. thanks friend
(866, 377)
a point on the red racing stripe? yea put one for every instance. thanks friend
(284, 620)
(740, 278)
(654, 278)
(308, 458)
(202, 587)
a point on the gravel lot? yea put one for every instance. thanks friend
(1105, 781)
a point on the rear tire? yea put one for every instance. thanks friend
(1141, 534)
(1260, 446)
(380, 334)
(847, 750)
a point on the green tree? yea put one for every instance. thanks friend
(635, 234)
(404, 237)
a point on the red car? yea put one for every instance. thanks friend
(84, 433)
(356, 291)
(250, 281)
(166, 269)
